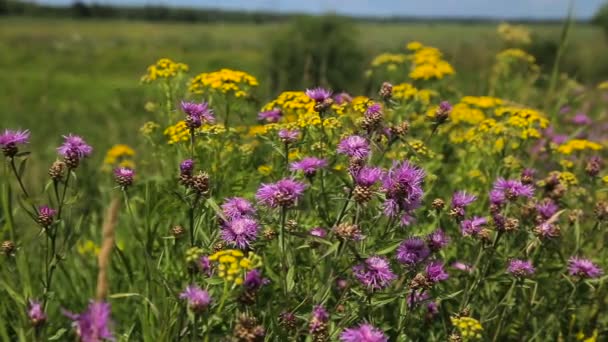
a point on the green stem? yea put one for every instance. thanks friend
(282, 248)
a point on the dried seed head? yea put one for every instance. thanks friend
(348, 232)
(485, 235)
(269, 234)
(291, 225)
(420, 281)
(574, 215)
(288, 320)
(200, 183)
(594, 166)
(511, 224)
(8, 247)
(177, 231)
(438, 204)
(386, 91)
(248, 330)
(362, 194)
(400, 129)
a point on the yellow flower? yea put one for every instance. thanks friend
(482, 101)
(149, 127)
(578, 145)
(265, 170)
(605, 179)
(406, 91)
(566, 164)
(428, 63)
(517, 34)
(87, 248)
(389, 59)
(414, 46)
(163, 68)
(603, 85)
(468, 327)
(119, 155)
(516, 54)
(233, 264)
(226, 81)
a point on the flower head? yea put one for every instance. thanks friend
(472, 226)
(583, 268)
(342, 97)
(198, 299)
(546, 208)
(403, 187)
(240, 232)
(363, 333)
(93, 325)
(581, 119)
(354, 146)
(124, 176)
(254, 280)
(9, 139)
(289, 136)
(462, 199)
(374, 273)
(270, 116)
(435, 273)
(74, 148)
(511, 188)
(308, 165)
(461, 266)
(521, 268)
(197, 114)
(318, 94)
(46, 215)
(186, 167)
(318, 232)
(284, 193)
(412, 251)
(368, 176)
(237, 207)
(437, 240)
(36, 314)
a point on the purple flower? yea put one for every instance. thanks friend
(93, 325)
(497, 197)
(35, 313)
(511, 188)
(254, 280)
(186, 167)
(403, 187)
(521, 268)
(284, 193)
(472, 226)
(373, 111)
(205, 265)
(124, 176)
(237, 207)
(437, 240)
(342, 97)
(461, 266)
(363, 333)
(240, 232)
(318, 232)
(435, 272)
(46, 216)
(289, 136)
(368, 176)
(74, 147)
(318, 94)
(527, 176)
(581, 119)
(462, 199)
(374, 273)
(198, 299)
(445, 107)
(412, 251)
(583, 268)
(9, 140)
(546, 208)
(318, 319)
(309, 165)
(547, 230)
(197, 113)
(354, 146)
(273, 115)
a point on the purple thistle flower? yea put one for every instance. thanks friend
(437, 240)
(308, 165)
(93, 325)
(546, 208)
(124, 176)
(342, 97)
(271, 116)
(46, 216)
(374, 110)
(547, 230)
(35, 313)
(511, 188)
(289, 136)
(403, 187)
(581, 119)
(521, 268)
(417, 297)
(435, 272)
(472, 226)
(9, 140)
(318, 232)
(497, 197)
(205, 265)
(237, 207)
(354, 146)
(583, 268)
(527, 176)
(197, 113)
(284, 193)
(445, 107)
(74, 147)
(374, 273)
(198, 299)
(254, 280)
(363, 333)
(412, 251)
(461, 266)
(368, 176)
(186, 167)
(462, 199)
(318, 94)
(240, 232)
(320, 316)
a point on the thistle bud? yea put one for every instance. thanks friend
(594, 166)
(177, 231)
(438, 204)
(386, 91)
(56, 170)
(8, 247)
(200, 183)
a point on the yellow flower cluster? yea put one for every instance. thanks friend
(516, 54)
(87, 248)
(517, 34)
(527, 120)
(420, 149)
(233, 264)
(406, 91)
(265, 170)
(482, 101)
(226, 81)
(580, 336)
(468, 327)
(428, 63)
(414, 46)
(119, 155)
(359, 104)
(578, 145)
(148, 128)
(163, 68)
(603, 85)
(181, 133)
(391, 60)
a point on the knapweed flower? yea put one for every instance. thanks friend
(472, 226)
(443, 112)
(318, 321)
(254, 280)
(237, 207)
(308, 165)
(186, 167)
(240, 232)
(546, 208)
(73, 150)
(124, 176)
(547, 230)
(437, 240)
(435, 273)
(10, 139)
(342, 98)
(581, 119)
(284, 193)
(354, 146)
(318, 94)
(368, 176)
(403, 187)
(198, 299)
(460, 201)
(510, 189)
(372, 117)
(46, 216)
(527, 176)
(374, 273)
(204, 264)
(93, 325)
(35, 313)
(520, 268)
(363, 333)
(318, 232)
(583, 268)
(289, 136)
(412, 251)
(270, 116)
(197, 114)
(461, 266)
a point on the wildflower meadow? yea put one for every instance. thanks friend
(413, 212)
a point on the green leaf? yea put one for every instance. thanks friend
(290, 278)
(58, 334)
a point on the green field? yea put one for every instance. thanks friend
(78, 76)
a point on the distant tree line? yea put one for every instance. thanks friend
(80, 9)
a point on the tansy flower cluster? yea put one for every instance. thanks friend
(575, 145)
(232, 264)
(225, 81)
(468, 327)
(515, 34)
(163, 68)
(119, 156)
(428, 63)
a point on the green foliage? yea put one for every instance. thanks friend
(601, 18)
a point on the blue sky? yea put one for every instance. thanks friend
(453, 8)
